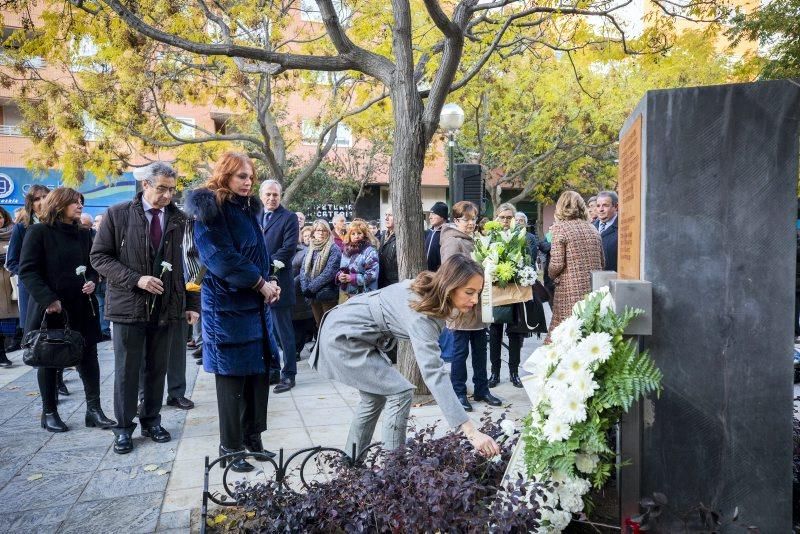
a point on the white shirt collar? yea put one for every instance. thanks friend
(147, 206)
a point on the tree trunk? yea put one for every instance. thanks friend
(405, 195)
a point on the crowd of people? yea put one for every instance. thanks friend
(271, 285)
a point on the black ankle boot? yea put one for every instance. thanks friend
(4, 361)
(515, 379)
(253, 443)
(239, 464)
(53, 423)
(494, 379)
(96, 418)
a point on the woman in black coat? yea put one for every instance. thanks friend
(52, 253)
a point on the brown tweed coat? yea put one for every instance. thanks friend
(577, 251)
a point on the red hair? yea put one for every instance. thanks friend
(228, 165)
(360, 226)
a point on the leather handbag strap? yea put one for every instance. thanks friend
(44, 320)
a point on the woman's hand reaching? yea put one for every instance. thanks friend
(484, 444)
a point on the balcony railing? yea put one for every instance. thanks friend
(10, 129)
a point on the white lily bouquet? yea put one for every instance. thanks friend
(507, 263)
(579, 387)
(80, 270)
(165, 267)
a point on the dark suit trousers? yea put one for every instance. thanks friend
(242, 405)
(137, 345)
(282, 319)
(495, 347)
(176, 367)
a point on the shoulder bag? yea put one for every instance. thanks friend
(53, 347)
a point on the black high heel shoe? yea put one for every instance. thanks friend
(239, 464)
(52, 422)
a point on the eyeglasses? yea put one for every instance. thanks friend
(161, 190)
(505, 217)
(464, 220)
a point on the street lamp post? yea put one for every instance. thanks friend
(451, 119)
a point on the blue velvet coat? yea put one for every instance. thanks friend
(236, 322)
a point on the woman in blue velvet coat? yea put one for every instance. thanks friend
(235, 295)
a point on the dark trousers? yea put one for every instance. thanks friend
(495, 347)
(304, 331)
(282, 321)
(88, 369)
(176, 366)
(242, 405)
(797, 314)
(462, 339)
(137, 345)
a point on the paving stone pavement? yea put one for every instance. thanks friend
(74, 482)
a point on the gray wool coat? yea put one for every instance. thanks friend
(355, 336)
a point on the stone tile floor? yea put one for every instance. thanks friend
(73, 482)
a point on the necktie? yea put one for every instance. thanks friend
(602, 227)
(267, 217)
(155, 228)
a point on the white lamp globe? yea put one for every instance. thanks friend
(451, 117)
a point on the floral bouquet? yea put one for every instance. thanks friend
(507, 264)
(579, 387)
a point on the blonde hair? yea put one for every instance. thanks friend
(570, 206)
(434, 289)
(360, 226)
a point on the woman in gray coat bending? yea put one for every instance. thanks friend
(355, 337)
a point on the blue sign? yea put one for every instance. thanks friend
(15, 183)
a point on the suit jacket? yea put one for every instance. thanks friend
(432, 244)
(609, 237)
(280, 236)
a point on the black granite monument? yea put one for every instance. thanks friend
(715, 235)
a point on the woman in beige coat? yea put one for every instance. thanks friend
(577, 251)
(9, 312)
(457, 239)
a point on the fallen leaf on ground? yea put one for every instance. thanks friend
(151, 467)
(162, 472)
(32, 394)
(13, 388)
(36, 476)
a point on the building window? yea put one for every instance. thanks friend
(10, 44)
(309, 11)
(310, 131)
(10, 120)
(85, 51)
(185, 127)
(91, 129)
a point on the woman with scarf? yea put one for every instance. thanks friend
(9, 312)
(358, 270)
(317, 276)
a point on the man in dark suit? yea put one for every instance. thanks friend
(281, 230)
(606, 224)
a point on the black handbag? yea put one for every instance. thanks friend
(53, 347)
(327, 294)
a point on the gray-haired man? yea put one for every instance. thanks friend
(138, 251)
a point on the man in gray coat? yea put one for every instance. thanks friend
(138, 250)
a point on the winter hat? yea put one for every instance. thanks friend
(440, 209)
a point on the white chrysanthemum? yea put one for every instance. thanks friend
(607, 304)
(586, 463)
(570, 408)
(555, 430)
(573, 363)
(584, 385)
(579, 486)
(568, 332)
(596, 347)
(558, 520)
(572, 504)
(553, 354)
(508, 427)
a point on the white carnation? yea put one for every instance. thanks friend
(80, 270)
(555, 429)
(586, 463)
(166, 266)
(596, 347)
(568, 332)
(508, 427)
